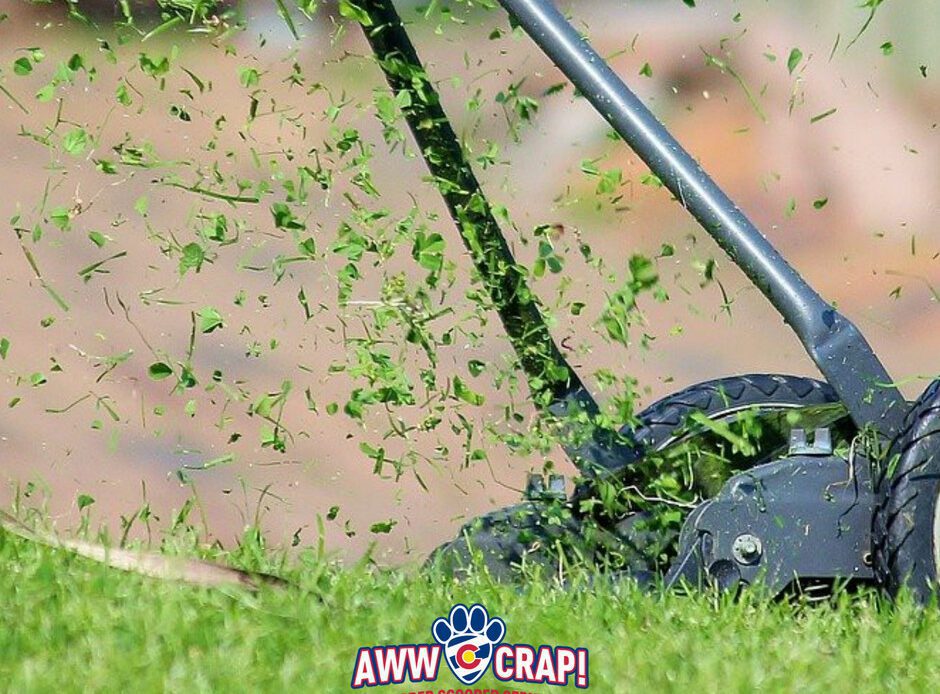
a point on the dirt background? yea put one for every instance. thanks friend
(876, 159)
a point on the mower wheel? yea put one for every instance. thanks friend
(906, 527)
(723, 397)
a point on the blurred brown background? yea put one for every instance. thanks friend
(875, 159)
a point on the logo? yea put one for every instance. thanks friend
(471, 643)
(468, 638)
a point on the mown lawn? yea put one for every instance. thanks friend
(72, 625)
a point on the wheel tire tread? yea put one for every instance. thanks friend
(898, 545)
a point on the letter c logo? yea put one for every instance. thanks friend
(466, 656)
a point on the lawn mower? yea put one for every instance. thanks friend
(839, 484)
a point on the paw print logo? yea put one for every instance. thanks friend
(468, 637)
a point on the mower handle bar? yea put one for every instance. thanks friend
(836, 345)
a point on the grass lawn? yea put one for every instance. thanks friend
(69, 624)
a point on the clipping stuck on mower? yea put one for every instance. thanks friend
(838, 480)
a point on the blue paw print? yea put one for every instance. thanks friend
(468, 637)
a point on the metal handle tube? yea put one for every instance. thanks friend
(837, 347)
(555, 385)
